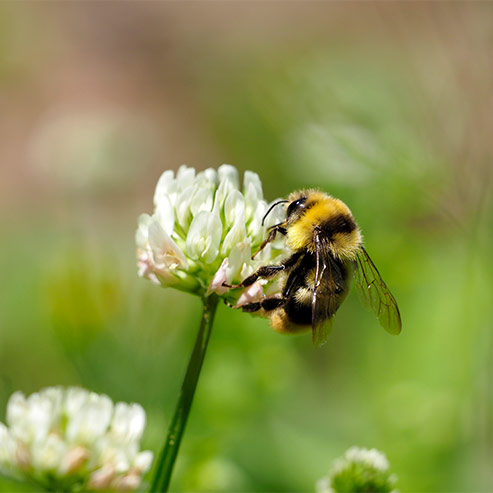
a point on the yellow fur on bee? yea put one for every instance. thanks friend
(320, 208)
(280, 323)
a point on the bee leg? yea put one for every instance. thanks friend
(267, 304)
(251, 307)
(270, 271)
(278, 228)
(272, 302)
(265, 272)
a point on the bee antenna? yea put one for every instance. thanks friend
(272, 207)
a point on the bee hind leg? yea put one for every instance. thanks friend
(267, 304)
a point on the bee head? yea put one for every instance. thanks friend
(295, 209)
(299, 203)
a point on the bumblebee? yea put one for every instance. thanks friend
(327, 249)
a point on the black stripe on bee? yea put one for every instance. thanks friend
(340, 223)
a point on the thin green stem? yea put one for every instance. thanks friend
(164, 467)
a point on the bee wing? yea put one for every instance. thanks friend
(375, 293)
(323, 299)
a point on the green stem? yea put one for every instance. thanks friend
(164, 467)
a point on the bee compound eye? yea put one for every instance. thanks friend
(295, 206)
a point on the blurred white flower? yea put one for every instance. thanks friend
(73, 439)
(360, 470)
(204, 230)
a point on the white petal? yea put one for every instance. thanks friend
(75, 399)
(6, 447)
(229, 173)
(128, 422)
(236, 236)
(166, 253)
(185, 177)
(36, 421)
(228, 181)
(17, 409)
(165, 214)
(47, 455)
(202, 200)
(252, 189)
(234, 208)
(204, 237)
(255, 230)
(211, 175)
(239, 256)
(166, 186)
(183, 212)
(91, 421)
(143, 461)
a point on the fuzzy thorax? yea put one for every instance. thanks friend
(332, 217)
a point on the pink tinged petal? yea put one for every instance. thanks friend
(219, 279)
(129, 482)
(165, 252)
(74, 460)
(145, 265)
(102, 478)
(22, 456)
(251, 294)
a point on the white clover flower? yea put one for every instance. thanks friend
(73, 439)
(204, 230)
(360, 470)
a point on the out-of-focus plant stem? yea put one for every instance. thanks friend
(166, 461)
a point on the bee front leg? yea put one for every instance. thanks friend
(270, 271)
(278, 228)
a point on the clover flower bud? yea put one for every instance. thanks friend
(204, 231)
(360, 470)
(72, 440)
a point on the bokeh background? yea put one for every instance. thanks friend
(388, 106)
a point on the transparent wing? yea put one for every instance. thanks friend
(375, 294)
(324, 303)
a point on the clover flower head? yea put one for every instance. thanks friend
(360, 470)
(68, 439)
(204, 230)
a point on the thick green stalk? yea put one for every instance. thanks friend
(164, 467)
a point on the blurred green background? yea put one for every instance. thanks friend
(385, 105)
